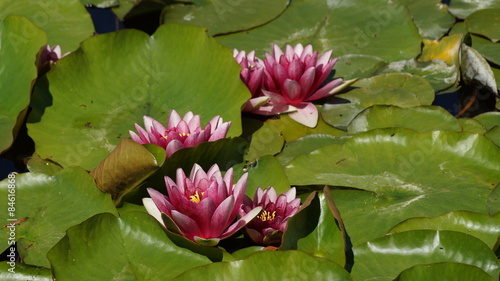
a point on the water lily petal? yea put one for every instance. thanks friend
(274, 98)
(173, 146)
(292, 90)
(255, 103)
(186, 225)
(220, 218)
(271, 109)
(152, 209)
(241, 222)
(220, 132)
(325, 90)
(173, 119)
(306, 114)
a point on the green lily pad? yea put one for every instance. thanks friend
(463, 8)
(38, 165)
(446, 49)
(318, 231)
(224, 16)
(440, 75)
(421, 119)
(481, 226)
(494, 135)
(399, 89)
(406, 249)
(263, 172)
(471, 125)
(100, 91)
(20, 41)
(66, 23)
(264, 139)
(353, 27)
(493, 202)
(133, 247)
(431, 17)
(444, 271)
(488, 49)
(305, 145)
(489, 119)
(41, 209)
(291, 130)
(476, 70)
(460, 171)
(20, 272)
(485, 22)
(125, 168)
(353, 66)
(270, 265)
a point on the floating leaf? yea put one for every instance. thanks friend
(430, 16)
(421, 119)
(357, 66)
(493, 202)
(471, 125)
(323, 237)
(305, 145)
(490, 50)
(440, 75)
(38, 165)
(292, 130)
(444, 271)
(41, 209)
(66, 23)
(481, 226)
(406, 249)
(133, 247)
(115, 79)
(485, 22)
(20, 41)
(463, 8)
(460, 171)
(224, 16)
(127, 166)
(475, 69)
(353, 27)
(489, 119)
(264, 139)
(447, 49)
(264, 172)
(399, 89)
(286, 265)
(18, 271)
(101, 3)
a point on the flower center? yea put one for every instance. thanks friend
(266, 216)
(196, 197)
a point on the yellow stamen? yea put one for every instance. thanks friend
(196, 197)
(184, 134)
(267, 216)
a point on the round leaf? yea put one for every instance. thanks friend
(444, 271)
(399, 89)
(132, 247)
(490, 50)
(463, 8)
(305, 145)
(420, 118)
(46, 206)
(430, 16)
(489, 119)
(478, 225)
(20, 41)
(406, 249)
(357, 66)
(66, 23)
(494, 135)
(22, 272)
(292, 130)
(485, 22)
(115, 79)
(460, 171)
(264, 138)
(493, 202)
(471, 125)
(224, 16)
(353, 27)
(270, 265)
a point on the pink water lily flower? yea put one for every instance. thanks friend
(49, 54)
(290, 81)
(268, 227)
(179, 133)
(203, 207)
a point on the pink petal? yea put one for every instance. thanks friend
(148, 123)
(241, 222)
(307, 51)
(292, 90)
(202, 215)
(274, 109)
(186, 225)
(135, 137)
(324, 59)
(181, 180)
(325, 90)
(307, 80)
(298, 49)
(279, 74)
(295, 70)
(152, 209)
(228, 181)
(306, 114)
(275, 98)
(291, 194)
(220, 132)
(173, 119)
(277, 53)
(173, 146)
(220, 218)
(194, 124)
(255, 235)
(159, 200)
(255, 103)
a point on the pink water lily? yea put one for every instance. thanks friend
(179, 133)
(268, 227)
(49, 54)
(203, 207)
(290, 81)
